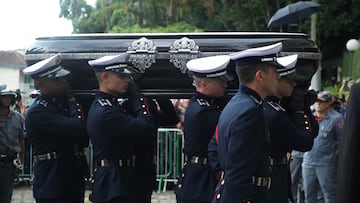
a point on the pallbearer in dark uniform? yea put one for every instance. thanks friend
(164, 116)
(114, 130)
(55, 127)
(197, 181)
(288, 130)
(243, 140)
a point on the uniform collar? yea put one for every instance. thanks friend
(273, 99)
(7, 115)
(254, 95)
(327, 114)
(211, 100)
(55, 99)
(107, 96)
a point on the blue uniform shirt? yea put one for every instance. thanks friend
(197, 182)
(244, 148)
(114, 133)
(324, 152)
(201, 118)
(52, 126)
(285, 135)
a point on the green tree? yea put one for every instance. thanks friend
(77, 11)
(337, 23)
(337, 19)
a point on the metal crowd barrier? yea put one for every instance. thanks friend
(170, 159)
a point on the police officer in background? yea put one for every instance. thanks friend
(55, 127)
(197, 182)
(115, 130)
(289, 128)
(243, 140)
(11, 143)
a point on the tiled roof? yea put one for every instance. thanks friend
(12, 59)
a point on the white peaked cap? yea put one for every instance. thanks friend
(210, 67)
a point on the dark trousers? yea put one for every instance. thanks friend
(188, 201)
(146, 179)
(59, 201)
(7, 174)
(62, 200)
(145, 198)
(118, 200)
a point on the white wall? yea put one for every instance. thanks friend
(10, 77)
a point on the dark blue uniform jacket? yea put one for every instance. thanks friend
(145, 150)
(201, 117)
(53, 126)
(113, 133)
(285, 135)
(243, 148)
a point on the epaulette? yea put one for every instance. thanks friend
(104, 102)
(258, 102)
(275, 106)
(42, 102)
(203, 102)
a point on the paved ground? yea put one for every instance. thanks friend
(23, 194)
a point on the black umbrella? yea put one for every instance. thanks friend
(293, 13)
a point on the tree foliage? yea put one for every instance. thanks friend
(338, 22)
(338, 18)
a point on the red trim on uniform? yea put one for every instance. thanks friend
(217, 134)
(319, 118)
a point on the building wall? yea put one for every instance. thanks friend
(10, 77)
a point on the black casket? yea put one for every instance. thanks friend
(159, 59)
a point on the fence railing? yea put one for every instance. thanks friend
(170, 159)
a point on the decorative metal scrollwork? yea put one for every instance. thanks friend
(141, 62)
(181, 51)
(184, 45)
(180, 60)
(142, 54)
(142, 45)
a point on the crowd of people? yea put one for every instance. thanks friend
(254, 146)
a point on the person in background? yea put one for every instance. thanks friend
(319, 166)
(33, 95)
(181, 106)
(197, 182)
(344, 100)
(11, 143)
(288, 120)
(19, 106)
(55, 127)
(296, 173)
(2, 86)
(243, 140)
(115, 132)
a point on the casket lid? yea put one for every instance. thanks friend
(159, 58)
